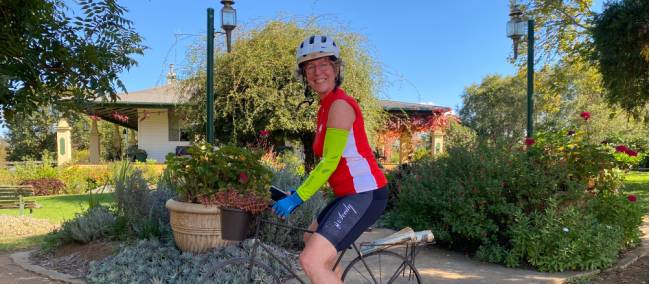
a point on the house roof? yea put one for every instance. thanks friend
(163, 96)
(395, 106)
(169, 95)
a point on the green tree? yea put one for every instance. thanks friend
(31, 134)
(565, 90)
(256, 87)
(561, 29)
(49, 58)
(620, 36)
(496, 108)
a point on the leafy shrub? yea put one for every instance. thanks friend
(395, 177)
(619, 211)
(45, 186)
(94, 224)
(209, 170)
(473, 197)
(7, 177)
(563, 239)
(141, 211)
(76, 179)
(33, 170)
(152, 261)
(150, 171)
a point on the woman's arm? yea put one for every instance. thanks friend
(339, 123)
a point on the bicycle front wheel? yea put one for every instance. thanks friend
(381, 267)
(241, 270)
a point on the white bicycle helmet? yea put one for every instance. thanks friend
(317, 46)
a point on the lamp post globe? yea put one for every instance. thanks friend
(516, 28)
(228, 19)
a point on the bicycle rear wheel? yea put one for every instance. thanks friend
(381, 267)
(239, 270)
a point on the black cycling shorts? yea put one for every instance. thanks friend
(343, 220)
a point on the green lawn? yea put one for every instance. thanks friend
(637, 183)
(58, 208)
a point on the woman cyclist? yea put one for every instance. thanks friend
(347, 163)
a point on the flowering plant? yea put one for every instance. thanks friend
(227, 176)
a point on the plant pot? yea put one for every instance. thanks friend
(196, 227)
(235, 223)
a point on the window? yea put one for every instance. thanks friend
(177, 131)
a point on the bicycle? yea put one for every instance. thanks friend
(371, 265)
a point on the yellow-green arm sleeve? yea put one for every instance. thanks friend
(335, 140)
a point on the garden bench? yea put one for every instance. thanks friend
(13, 196)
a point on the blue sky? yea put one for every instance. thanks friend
(429, 50)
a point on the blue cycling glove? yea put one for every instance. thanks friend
(286, 205)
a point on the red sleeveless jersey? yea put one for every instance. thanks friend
(357, 170)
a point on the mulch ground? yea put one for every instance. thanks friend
(72, 259)
(636, 272)
(12, 227)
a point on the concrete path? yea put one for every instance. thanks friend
(12, 273)
(435, 266)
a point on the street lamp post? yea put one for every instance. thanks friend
(515, 30)
(228, 23)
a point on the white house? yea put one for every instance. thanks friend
(150, 114)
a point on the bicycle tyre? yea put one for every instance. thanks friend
(396, 269)
(238, 268)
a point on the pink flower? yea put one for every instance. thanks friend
(529, 141)
(95, 117)
(585, 115)
(631, 198)
(264, 133)
(243, 177)
(120, 117)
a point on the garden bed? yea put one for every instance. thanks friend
(73, 259)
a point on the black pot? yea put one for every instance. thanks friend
(235, 224)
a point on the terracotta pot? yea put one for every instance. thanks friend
(196, 227)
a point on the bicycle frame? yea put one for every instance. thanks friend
(258, 243)
(411, 249)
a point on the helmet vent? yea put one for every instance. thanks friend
(311, 40)
(323, 39)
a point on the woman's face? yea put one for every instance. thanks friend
(321, 75)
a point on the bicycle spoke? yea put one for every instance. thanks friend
(384, 267)
(362, 274)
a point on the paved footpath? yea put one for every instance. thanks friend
(12, 273)
(435, 266)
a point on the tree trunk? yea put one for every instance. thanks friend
(307, 140)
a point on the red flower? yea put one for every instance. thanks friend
(631, 153)
(95, 117)
(621, 149)
(264, 133)
(631, 198)
(243, 177)
(585, 115)
(529, 141)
